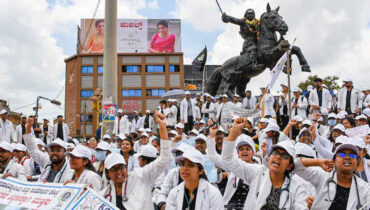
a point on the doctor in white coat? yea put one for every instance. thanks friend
(188, 118)
(8, 165)
(267, 104)
(133, 190)
(299, 104)
(265, 184)
(121, 124)
(21, 129)
(7, 132)
(341, 188)
(171, 113)
(195, 190)
(314, 100)
(60, 129)
(46, 134)
(209, 109)
(355, 98)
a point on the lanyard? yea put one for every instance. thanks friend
(124, 197)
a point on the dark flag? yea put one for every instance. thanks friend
(200, 60)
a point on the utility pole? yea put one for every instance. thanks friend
(110, 55)
(85, 113)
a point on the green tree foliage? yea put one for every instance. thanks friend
(330, 81)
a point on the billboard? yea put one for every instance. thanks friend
(133, 35)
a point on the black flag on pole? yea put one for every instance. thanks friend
(200, 60)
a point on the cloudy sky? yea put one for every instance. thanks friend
(36, 36)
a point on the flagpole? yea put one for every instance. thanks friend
(288, 68)
(203, 79)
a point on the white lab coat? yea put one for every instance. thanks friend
(267, 103)
(151, 122)
(29, 167)
(171, 115)
(282, 103)
(16, 170)
(18, 133)
(208, 197)
(238, 104)
(136, 124)
(366, 102)
(140, 181)
(123, 126)
(320, 179)
(327, 100)
(49, 137)
(259, 181)
(132, 163)
(104, 179)
(252, 101)
(65, 131)
(184, 110)
(87, 177)
(7, 131)
(356, 100)
(170, 181)
(42, 158)
(302, 107)
(212, 111)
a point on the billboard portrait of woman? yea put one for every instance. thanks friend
(162, 41)
(95, 42)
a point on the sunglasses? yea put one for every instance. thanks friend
(189, 165)
(343, 155)
(284, 156)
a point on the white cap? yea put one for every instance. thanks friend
(144, 134)
(297, 89)
(187, 92)
(58, 142)
(148, 130)
(236, 95)
(347, 146)
(179, 125)
(301, 131)
(324, 86)
(366, 112)
(307, 122)
(202, 122)
(342, 115)
(208, 95)
(193, 155)
(39, 142)
(198, 94)
(339, 127)
(201, 137)
(182, 147)
(76, 141)
(287, 146)
(347, 80)
(119, 111)
(6, 146)
(320, 119)
(264, 120)
(81, 152)
(272, 127)
(113, 159)
(361, 117)
(342, 140)
(141, 130)
(272, 120)
(245, 140)
(103, 145)
(298, 118)
(106, 136)
(225, 96)
(20, 147)
(173, 132)
(121, 136)
(194, 131)
(136, 111)
(221, 129)
(332, 115)
(304, 149)
(309, 88)
(70, 146)
(148, 151)
(147, 111)
(3, 112)
(358, 142)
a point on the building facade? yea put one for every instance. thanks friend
(142, 78)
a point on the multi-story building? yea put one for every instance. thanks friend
(142, 78)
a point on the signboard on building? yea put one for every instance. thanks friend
(133, 35)
(130, 105)
(110, 111)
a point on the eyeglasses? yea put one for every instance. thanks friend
(189, 165)
(343, 155)
(117, 168)
(284, 156)
(305, 135)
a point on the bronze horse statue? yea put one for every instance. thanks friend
(237, 71)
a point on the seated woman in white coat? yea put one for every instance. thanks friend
(133, 190)
(341, 188)
(270, 187)
(83, 170)
(195, 192)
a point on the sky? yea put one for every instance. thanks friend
(36, 36)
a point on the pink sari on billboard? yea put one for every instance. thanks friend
(163, 44)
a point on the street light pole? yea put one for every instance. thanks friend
(53, 101)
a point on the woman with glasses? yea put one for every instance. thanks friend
(341, 188)
(195, 192)
(271, 187)
(133, 190)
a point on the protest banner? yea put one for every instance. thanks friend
(17, 194)
(360, 131)
(92, 201)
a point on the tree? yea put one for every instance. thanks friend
(330, 81)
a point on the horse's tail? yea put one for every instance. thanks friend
(214, 81)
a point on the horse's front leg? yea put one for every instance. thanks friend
(302, 60)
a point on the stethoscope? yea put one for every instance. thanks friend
(124, 197)
(287, 191)
(331, 180)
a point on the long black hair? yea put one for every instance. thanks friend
(89, 165)
(203, 175)
(132, 152)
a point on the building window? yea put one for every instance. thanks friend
(155, 68)
(100, 69)
(87, 69)
(86, 93)
(131, 69)
(155, 92)
(131, 93)
(174, 68)
(88, 118)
